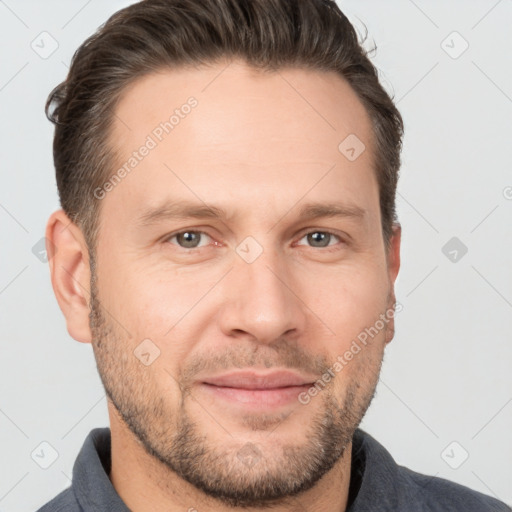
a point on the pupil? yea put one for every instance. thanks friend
(188, 237)
(318, 236)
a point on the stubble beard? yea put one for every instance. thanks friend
(274, 474)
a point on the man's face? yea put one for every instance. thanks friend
(261, 289)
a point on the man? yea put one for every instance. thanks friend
(227, 171)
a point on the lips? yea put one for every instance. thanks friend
(251, 380)
(255, 391)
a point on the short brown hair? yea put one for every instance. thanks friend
(152, 35)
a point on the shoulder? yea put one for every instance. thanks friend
(436, 494)
(63, 502)
(396, 488)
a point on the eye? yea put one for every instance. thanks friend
(187, 239)
(320, 239)
(191, 239)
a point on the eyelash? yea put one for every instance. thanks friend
(328, 248)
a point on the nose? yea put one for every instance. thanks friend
(261, 300)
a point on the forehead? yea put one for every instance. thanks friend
(228, 131)
(264, 102)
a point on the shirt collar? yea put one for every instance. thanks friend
(91, 483)
(376, 475)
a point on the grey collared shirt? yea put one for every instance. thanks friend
(377, 484)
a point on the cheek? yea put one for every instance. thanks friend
(360, 373)
(350, 300)
(146, 301)
(165, 307)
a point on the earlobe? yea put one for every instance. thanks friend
(68, 258)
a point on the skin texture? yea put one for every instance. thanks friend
(260, 146)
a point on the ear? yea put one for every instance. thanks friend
(393, 264)
(68, 257)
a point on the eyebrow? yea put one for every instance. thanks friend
(188, 210)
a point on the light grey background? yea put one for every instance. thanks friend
(446, 376)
